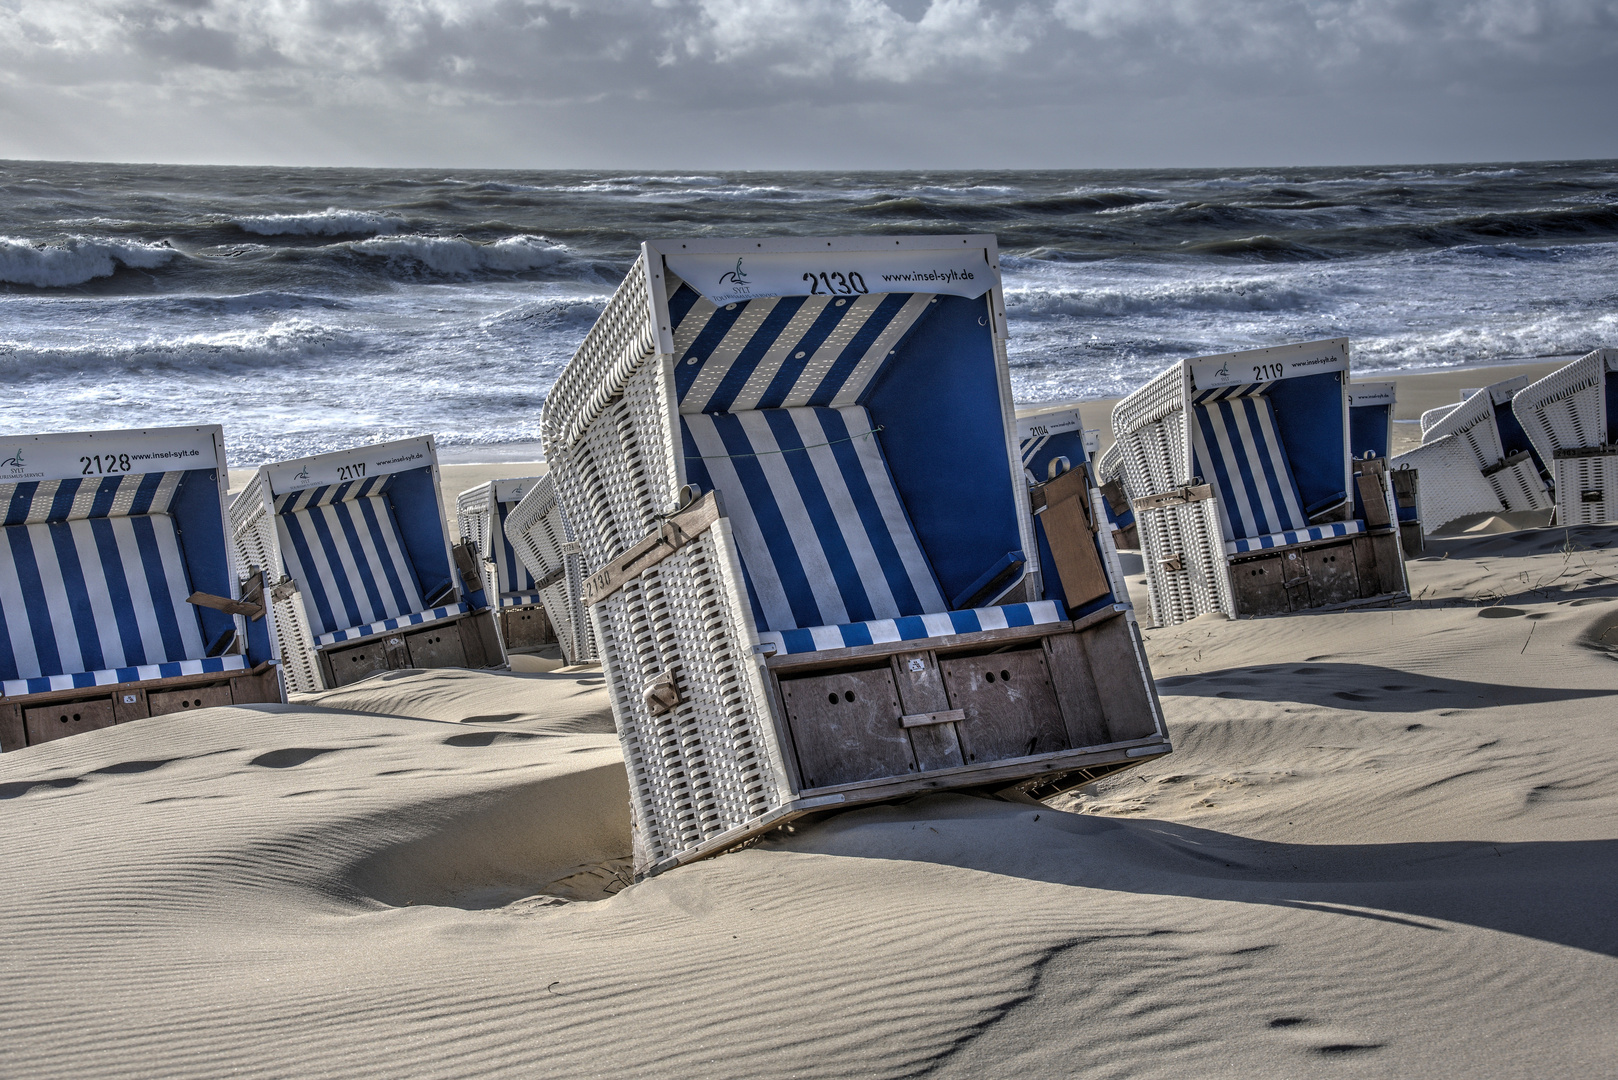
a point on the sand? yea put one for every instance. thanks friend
(1386, 845)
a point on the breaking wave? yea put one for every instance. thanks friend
(75, 260)
(1258, 294)
(328, 222)
(457, 257)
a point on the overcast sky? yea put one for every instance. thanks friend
(716, 84)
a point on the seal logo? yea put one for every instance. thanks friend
(1224, 370)
(15, 460)
(303, 475)
(737, 276)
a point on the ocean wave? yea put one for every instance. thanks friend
(1259, 294)
(457, 257)
(328, 222)
(1263, 246)
(75, 260)
(243, 351)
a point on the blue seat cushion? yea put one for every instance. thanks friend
(824, 537)
(1294, 536)
(382, 626)
(111, 676)
(913, 627)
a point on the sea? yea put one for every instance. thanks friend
(314, 309)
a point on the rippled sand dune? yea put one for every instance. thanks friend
(1386, 845)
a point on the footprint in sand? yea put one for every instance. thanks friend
(488, 738)
(1500, 613)
(290, 757)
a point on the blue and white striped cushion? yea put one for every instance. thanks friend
(94, 594)
(326, 494)
(1238, 450)
(112, 676)
(382, 626)
(349, 562)
(785, 352)
(912, 628)
(1294, 536)
(519, 599)
(513, 576)
(817, 520)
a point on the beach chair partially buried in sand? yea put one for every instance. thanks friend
(1370, 435)
(537, 531)
(1475, 458)
(119, 598)
(1571, 416)
(366, 579)
(791, 467)
(520, 613)
(1249, 502)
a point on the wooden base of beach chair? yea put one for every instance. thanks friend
(1318, 575)
(526, 627)
(39, 718)
(466, 641)
(876, 721)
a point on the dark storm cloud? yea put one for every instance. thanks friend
(1037, 72)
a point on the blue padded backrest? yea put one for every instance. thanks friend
(513, 575)
(92, 594)
(1368, 430)
(1308, 413)
(822, 532)
(349, 561)
(1237, 449)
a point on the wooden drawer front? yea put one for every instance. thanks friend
(526, 627)
(435, 648)
(846, 727)
(1260, 586)
(197, 697)
(1011, 709)
(46, 722)
(1332, 575)
(359, 662)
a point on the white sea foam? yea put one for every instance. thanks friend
(454, 255)
(75, 260)
(1148, 297)
(328, 222)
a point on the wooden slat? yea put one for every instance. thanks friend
(226, 604)
(677, 530)
(921, 692)
(1176, 497)
(948, 716)
(1374, 498)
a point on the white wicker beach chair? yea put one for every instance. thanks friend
(119, 597)
(1251, 501)
(1112, 475)
(1571, 415)
(538, 532)
(368, 579)
(481, 514)
(790, 466)
(1482, 436)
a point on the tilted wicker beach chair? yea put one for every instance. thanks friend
(791, 467)
(1252, 503)
(1113, 477)
(520, 613)
(1475, 458)
(366, 578)
(119, 598)
(1571, 415)
(538, 532)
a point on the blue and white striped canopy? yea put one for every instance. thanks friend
(349, 560)
(785, 352)
(36, 501)
(327, 494)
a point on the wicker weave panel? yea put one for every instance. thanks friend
(707, 766)
(1577, 476)
(623, 338)
(539, 532)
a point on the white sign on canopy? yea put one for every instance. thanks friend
(730, 278)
